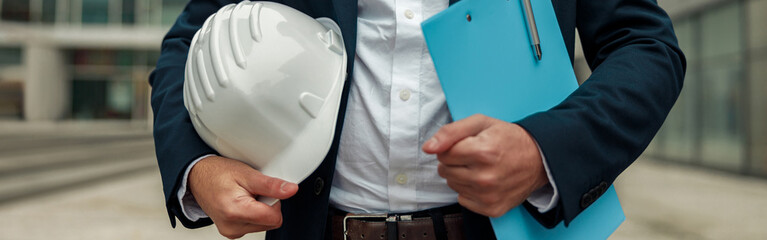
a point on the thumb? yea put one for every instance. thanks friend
(450, 134)
(262, 185)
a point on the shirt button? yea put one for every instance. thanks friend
(409, 14)
(404, 95)
(401, 179)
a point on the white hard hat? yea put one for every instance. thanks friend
(263, 86)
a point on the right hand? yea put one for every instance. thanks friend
(226, 189)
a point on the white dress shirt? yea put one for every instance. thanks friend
(395, 104)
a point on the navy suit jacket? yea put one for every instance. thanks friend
(588, 139)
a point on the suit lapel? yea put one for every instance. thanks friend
(346, 16)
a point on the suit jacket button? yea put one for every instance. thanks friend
(603, 188)
(318, 185)
(586, 200)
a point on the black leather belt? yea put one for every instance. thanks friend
(445, 223)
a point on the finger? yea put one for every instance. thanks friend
(467, 190)
(470, 204)
(461, 154)
(230, 232)
(262, 185)
(238, 230)
(254, 212)
(451, 133)
(479, 207)
(460, 188)
(455, 174)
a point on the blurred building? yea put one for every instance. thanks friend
(80, 59)
(720, 118)
(89, 59)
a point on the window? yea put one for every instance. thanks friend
(101, 99)
(124, 58)
(147, 12)
(94, 57)
(48, 11)
(758, 85)
(757, 18)
(88, 98)
(151, 58)
(10, 56)
(722, 82)
(11, 100)
(128, 11)
(171, 9)
(15, 10)
(679, 140)
(95, 11)
(119, 101)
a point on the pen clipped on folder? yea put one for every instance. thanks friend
(535, 40)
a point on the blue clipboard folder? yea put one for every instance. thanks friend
(484, 60)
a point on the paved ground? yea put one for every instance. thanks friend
(668, 201)
(82, 181)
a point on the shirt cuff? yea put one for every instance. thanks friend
(189, 206)
(546, 197)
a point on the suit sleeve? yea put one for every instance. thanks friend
(600, 129)
(176, 142)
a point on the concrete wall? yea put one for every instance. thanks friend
(46, 89)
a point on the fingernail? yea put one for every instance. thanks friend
(283, 186)
(432, 143)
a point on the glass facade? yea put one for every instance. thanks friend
(719, 118)
(171, 9)
(118, 75)
(95, 11)
(15, 10)
(105, 82)
(10, 56)
(102, 99)
(121, 12)
(11, 100)
(128, 11)
(11, 91)
(721, 61)
(48, 11)
(756, 12)
(88, 99)
(679, 142)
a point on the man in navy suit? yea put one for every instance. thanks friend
(578, 147)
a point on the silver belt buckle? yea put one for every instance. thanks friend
(389, 218)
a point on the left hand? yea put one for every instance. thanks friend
(493, 165)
